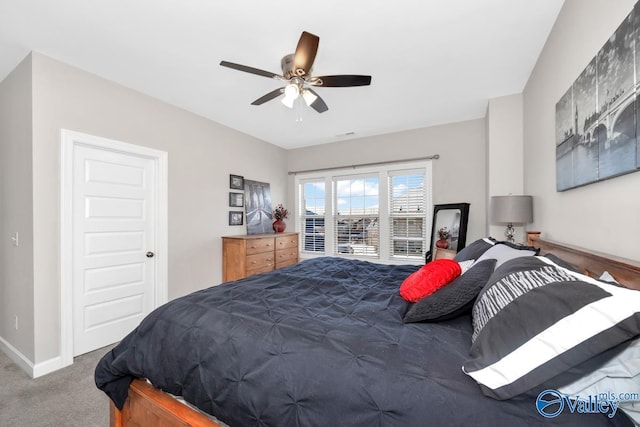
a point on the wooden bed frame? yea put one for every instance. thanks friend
(148, 406)
(593, 264)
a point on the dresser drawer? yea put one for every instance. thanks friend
(286, 255)
(245, 255)
(284, 242)
(287, 262)
(264, 269)
(256, 246)
(259, 261)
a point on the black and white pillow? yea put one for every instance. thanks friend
(475, 249)
(534, 320)
(504, 251)
(562, 263)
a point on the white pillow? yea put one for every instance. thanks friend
(465, 265)
(607, 277)
(619, 375)
(503, 252)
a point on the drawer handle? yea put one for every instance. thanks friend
(253, 247)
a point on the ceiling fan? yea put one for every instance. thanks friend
(296, 71)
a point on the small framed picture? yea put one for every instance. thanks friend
(236, 200)
(235, 217)
(236, 182)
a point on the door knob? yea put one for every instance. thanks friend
(150, 254)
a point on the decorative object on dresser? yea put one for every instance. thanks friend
(454, 218)
(258, 206)
(511, 210)
(246, 255)
(279, 214)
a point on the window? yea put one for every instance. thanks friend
(356, 215)
(372, 213)
(312, 208)
(407, 213)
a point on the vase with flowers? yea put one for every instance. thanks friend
(443, 235)
(279, 214)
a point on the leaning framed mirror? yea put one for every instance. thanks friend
(449, 228)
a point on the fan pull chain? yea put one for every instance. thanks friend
(299, 109)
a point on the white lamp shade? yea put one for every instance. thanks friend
(291, 93)
(511, 209)
(309, 97)
(288, 101)
(291, 90)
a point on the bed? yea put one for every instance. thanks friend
(326, 342)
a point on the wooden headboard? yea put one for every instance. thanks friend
(626, 272)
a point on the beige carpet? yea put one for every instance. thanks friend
(67, 397)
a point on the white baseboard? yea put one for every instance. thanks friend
(18, 358)
(33, 370)
(48, 366)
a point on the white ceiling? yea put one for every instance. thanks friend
(431, 61)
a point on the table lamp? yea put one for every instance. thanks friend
(511, 210)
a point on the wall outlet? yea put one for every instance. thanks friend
(15, 239)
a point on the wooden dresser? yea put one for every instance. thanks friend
(245, 255)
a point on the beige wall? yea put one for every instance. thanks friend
(505, 173)
(16, 207)
(458, 176)
(202, 154)
(603, 216)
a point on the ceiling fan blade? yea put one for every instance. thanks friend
(251, 70)
(318, 105)
(343, 80)
(268, 97)
(305, 53)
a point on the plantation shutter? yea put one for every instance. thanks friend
(407, 213)
(312, 215)
(356, 215)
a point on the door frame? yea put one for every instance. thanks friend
(69, 140)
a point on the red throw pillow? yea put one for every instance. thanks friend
(429, 278)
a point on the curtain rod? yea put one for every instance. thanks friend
(434, 157)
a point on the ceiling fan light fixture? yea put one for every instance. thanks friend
(291, 93)
(288, 102)
(309, 97)
(297, 73)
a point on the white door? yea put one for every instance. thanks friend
(114, 244)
